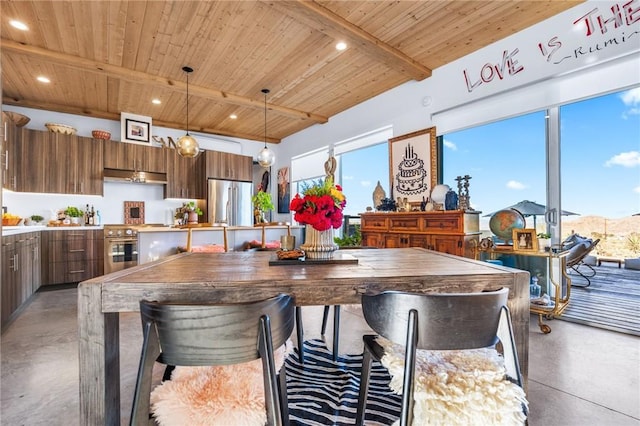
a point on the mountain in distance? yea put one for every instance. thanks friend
(585, 225)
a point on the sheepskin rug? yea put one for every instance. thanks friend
(458, 387)
(221, 395)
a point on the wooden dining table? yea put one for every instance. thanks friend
(245, 276)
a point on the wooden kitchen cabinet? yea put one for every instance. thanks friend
(453, 232)
(55, 163)
(84, 165)
(73, 255)
(20, 271)
(10, 277)
(10, 148)
(185, 176)
(131, 156)
(225, 165)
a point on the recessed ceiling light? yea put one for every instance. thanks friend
(233, 116)
(19, 25)
(156, 101)
(341, 45)
(43, 79)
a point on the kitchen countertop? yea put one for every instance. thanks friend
(16, 230)
(209, 228)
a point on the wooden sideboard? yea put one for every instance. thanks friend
(454, 231)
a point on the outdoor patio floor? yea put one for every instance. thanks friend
(612, 301)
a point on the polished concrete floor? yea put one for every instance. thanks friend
(578, 375)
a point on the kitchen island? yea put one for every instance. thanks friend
(158, 242)
(244, 276)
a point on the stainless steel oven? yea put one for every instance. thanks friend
(120, 247)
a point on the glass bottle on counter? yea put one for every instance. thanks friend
(97, 218)
(86, 215)
(92, 217)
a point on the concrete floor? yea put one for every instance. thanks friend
(578, 375)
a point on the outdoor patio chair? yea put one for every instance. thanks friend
(576, 263)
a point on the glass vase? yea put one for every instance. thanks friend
(318, 244)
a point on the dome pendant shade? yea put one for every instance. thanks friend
(187, 145)
(266, 157)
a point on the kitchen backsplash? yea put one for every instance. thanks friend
(111, 205)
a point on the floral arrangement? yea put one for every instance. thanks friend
(320, 206)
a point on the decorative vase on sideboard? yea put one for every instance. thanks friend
(318, 244)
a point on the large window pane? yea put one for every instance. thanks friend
(506, 162)
(600, 140)
(360, 172)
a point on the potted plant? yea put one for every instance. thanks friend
(544, 240)
(74, 214)
(36, 219)
(262, 203)
(192, 211)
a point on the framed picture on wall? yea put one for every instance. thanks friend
(134, 212)
(284, 190)
(413, 160)
(135, 128)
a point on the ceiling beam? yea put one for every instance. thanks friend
(322, 19)
(142, 77)
(116, 116)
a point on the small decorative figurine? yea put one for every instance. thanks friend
(378, 195)
(463, 192)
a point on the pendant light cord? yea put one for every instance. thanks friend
(187, 70)
(187, 103)
(265, 91)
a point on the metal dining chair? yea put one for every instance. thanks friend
(434, 321)
(186, 334)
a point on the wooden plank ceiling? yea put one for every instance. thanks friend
(107, 57)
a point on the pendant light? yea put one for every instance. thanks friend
(266, 157)
(187, 145)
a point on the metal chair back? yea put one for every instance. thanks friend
(188, 334)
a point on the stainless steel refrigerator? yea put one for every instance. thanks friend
(229, 202)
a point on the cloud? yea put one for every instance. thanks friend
(631, 98)
(624, 159)
(448, 144)
(636, 189)
(365, 183)
(347, 177)
(514, 184)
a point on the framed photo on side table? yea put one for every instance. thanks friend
(413, 160)
(525, 240)
(135, 128)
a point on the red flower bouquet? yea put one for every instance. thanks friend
(320, 206)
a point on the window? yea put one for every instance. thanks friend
(361, 170)
(362, 162)
(506, 162)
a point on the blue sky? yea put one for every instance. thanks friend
(600, 158)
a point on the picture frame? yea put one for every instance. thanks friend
(284, 190)
(135, 128)
(413, 165)
(525, 239)
(134, 212)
